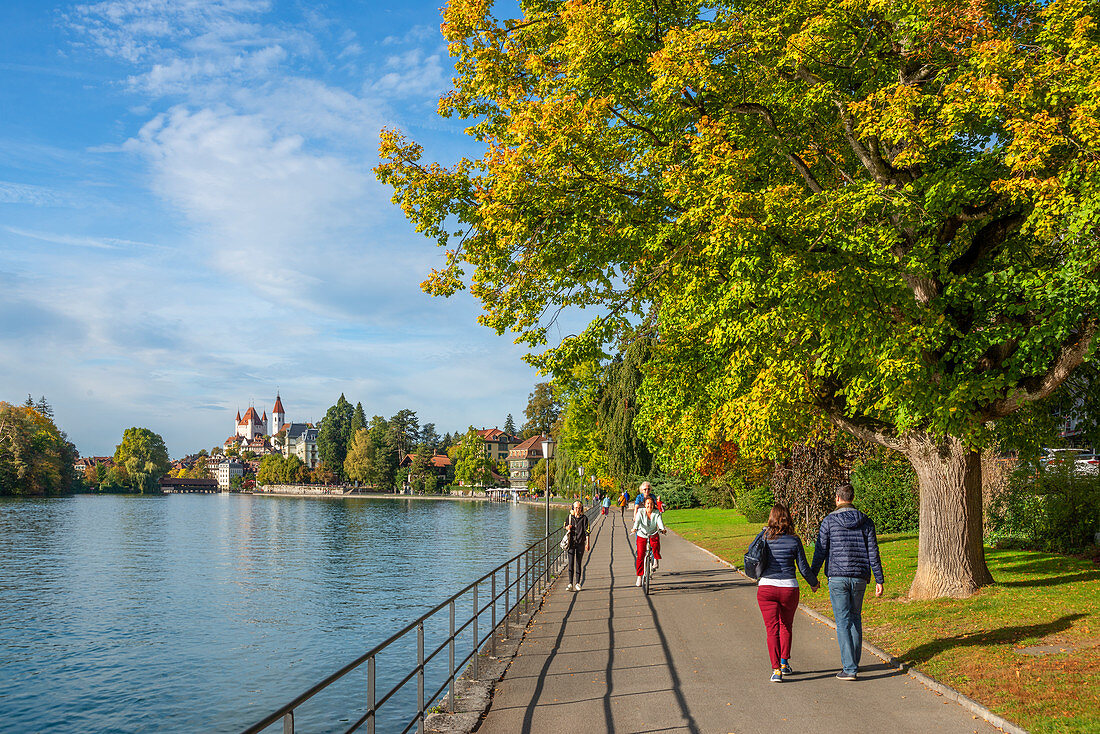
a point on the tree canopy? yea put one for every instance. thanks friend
(35, 455)
(877, 215)
(145, 458)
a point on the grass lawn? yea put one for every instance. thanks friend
(973, 645)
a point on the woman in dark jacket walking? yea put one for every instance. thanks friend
(576, 527)
(777, 593)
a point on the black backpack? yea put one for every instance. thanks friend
(756, 557)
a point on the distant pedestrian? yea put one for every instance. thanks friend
(848, 548)
(576, 528)
(624, 502)
(647, 524)
(660, 505)
(644, 491)
(777, 593)
(606, 504)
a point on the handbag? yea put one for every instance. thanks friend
(565, 536)
(756, 557)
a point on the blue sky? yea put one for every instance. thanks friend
(189, 221)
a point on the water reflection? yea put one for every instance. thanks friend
(202, 613)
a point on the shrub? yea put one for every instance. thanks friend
(675, 494)
(1051, 510)
(887, 493)
(755, 501)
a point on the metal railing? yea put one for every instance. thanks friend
(534, 568)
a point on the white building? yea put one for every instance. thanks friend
(298, 439)
(227, 470)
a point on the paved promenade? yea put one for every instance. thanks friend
(691, 657)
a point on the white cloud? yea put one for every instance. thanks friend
(414, 74)
(99, 243)
(17, 193)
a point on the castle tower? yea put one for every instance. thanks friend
(278, 416)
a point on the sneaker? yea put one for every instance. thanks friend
(777, 676)
(845, 676)
(656, 563)
(569, 587)
(785, 669)
(638, 582)
(577, 587)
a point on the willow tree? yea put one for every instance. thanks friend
(878, 215)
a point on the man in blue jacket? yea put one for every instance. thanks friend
(848, 548)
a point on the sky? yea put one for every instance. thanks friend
(189, 221)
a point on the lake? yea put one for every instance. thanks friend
(197, 613)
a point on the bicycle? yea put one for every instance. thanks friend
(648, 568)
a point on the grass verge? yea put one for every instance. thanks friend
(1039, 600)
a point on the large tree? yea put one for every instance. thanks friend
(877, 215)
(334, 435)
(35, 455)
(144, 456)
(542, 411)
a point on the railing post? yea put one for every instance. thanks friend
(507, 590)
(493, 597)
(370, 695)
(451, 693)
(477, 675)
(420, 677)
(288, 722)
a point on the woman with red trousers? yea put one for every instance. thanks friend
(777, 593)
(647, 524)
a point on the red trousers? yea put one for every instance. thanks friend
(778, 605)
(639, 557)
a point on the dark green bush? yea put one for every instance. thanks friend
(755, 501)
(715, 495)
(1052, 510)
(675, 494)
(887, 493)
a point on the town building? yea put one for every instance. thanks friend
(497, 444)
(227, 470)
(297, 439)
(441, 465)
(522, 459)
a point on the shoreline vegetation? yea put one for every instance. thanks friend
(1026, 646)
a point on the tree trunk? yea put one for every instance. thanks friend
(950, 555)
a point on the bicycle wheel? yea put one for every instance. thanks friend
(648, 571)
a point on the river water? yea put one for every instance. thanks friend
(203, 613)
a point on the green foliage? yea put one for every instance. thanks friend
(472, 466)
(358, 423)
(35, 455)
(754, 501)
(627, 455)
(405, 431)
(358, 464)
(543, 409)
(886, 491)
(675, 494)
(1053, 510)
(274, 469)
(145, 458)
(509, 425)
(334, 434)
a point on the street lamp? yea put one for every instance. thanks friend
(548, 446)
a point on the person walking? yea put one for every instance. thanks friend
(605, 505)
(644, 491)
(777, 593)
(848, 549)
(624, 501)
(647, 525)
(576, 528)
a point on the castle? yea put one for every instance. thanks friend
(261, 436)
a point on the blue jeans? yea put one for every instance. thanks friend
(846, 595)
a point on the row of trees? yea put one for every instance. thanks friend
(876, 217)
(36, 457)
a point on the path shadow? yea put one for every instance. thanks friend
(681, 701)
(1011, 635)
(866, 672)
(529, 714)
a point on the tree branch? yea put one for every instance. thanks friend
(1071, 356)
(752, 108)
(986, 241)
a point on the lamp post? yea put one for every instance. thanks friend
(548, 446)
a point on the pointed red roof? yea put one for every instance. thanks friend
(251, 416)
(278, 406)
(238, 416)
(264, 419)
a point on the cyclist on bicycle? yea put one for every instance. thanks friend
(647, 525)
